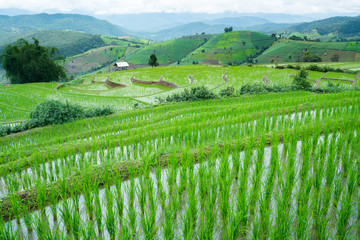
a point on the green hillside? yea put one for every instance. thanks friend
(75, 22)
(169, 51)
(293, 51)
(16, 101)
(242, 167)
(69, 43)
(230, 48)
(103, 57)
(330, 28)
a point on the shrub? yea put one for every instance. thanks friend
(330, 88)
(55, 112)
(195, 93)
(227, 92)
(256, 88)
(100, 111)
(297, 67)
(300, 81)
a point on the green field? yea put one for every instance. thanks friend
(95, 59)
(283, 165)
(292, 51)
(167, 52)
(233, 48)
(18, 100)
(353, 46)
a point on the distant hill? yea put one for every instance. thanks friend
(232, 48)
(155, 22)
(293, 51)
(75, 22)
(209, 28)
(69, 43)
(341, 27)
(271, 27)
(244, 21)
(169, 51)
(183, 30)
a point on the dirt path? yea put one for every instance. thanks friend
(160, 82)
(191, 79)
(111, 84)
(226, 81)
(266, 80)
(317, 82)
(355, 82)
(224, 76)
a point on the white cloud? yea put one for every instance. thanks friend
(209, 6)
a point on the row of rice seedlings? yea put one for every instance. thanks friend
(283, 116)
(130, 117)
(14, 186)
(224, 217)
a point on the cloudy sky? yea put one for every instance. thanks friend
(102, 7)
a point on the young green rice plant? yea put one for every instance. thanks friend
(149, 219)
(346, 204)
(304, 189)
(242, 207)
(98, 212)
(89, 185)
(168, 225)
(53, 200)
(66, 215)
(42, 227)
(265, 199)
(141, 194)
(28, 218)
(125, 230)
(187, 224)
(75, 222)
(15, 202)
(225, 186)
(110, 215)
(119, 199)
(87, 231)
(160, 189)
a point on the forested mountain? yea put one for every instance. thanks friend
(69, 43)
(342, 26)
(75, 22)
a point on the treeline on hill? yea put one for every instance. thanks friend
(300, 82)
(81, 46)
(69, 43)
(26, 62)
(317, 68)
(55, 112)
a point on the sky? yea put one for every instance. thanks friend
(106, 7)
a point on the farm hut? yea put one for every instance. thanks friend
(121, 65)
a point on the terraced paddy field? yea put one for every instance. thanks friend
(284, 166)
(17, 101)
(292, 51)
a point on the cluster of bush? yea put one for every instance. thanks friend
(300, 82)
(196, 93)
(55, 112)
(316, 68)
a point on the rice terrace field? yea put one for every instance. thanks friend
(256, 166)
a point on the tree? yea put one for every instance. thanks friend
(308, 57)
(228, 29)
(300, 80)
(335, 58)
(153, 60)
(26, 62)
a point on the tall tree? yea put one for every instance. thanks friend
(153, 60)
(26, 62)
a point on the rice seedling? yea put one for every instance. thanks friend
(266, 166)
